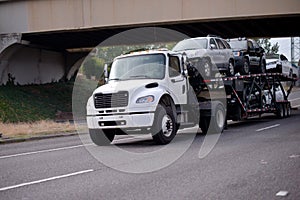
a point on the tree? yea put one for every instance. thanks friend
(93, 66)
(266, 44)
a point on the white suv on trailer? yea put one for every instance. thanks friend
(209, 54)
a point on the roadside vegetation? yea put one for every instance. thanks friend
(25, 129)
(32, 103)
(31, 110)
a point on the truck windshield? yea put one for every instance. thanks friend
(150, 66)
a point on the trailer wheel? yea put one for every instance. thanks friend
(288, 110)
(102, 137)
(280, 113)
(218, 120)
(215, 123)
(164, 126)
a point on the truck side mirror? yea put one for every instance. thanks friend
(106, 73)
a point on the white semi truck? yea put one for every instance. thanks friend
(150, 92)
(159, 92)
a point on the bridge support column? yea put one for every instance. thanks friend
(9, 39)
(30, 65)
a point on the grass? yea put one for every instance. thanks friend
(25, 130)
(27, 111)
(34, 102)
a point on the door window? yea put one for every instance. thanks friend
(174, 67)
(250, 45)
(283, 58)
(220, 44)
(226, 44)
(213, 44)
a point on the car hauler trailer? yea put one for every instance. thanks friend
(255, 94)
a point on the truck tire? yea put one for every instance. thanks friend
(102, 137)
(280, 113)
(288, 110)
(164, 126)
(215, 123)
(218, 120)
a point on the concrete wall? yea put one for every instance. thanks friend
(31, 65)
(45, 15)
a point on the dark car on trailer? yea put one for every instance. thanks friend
(249, 57)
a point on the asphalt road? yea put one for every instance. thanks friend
(255, 159)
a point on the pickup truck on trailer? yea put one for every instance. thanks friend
(159, 92)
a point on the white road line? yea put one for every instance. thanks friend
(296, 106)
(45, 180)
(43, 151)
(295, 99)
(269, 127)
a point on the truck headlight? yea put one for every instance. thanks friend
(145, 99)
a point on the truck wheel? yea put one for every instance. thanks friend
(102, 137)
(245, 68)
(218, 120)
(164, 126)
(280, 113)
(215, 123)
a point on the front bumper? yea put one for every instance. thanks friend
(126, 121)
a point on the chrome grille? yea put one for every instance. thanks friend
(111, 100)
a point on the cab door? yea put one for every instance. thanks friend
(177, 81)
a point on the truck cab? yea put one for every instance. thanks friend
(144, 92)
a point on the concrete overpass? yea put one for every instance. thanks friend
(49, 28)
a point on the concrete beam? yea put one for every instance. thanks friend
(50, 15)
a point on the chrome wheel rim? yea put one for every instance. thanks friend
(167, 126)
